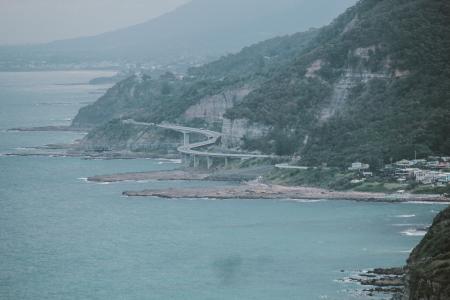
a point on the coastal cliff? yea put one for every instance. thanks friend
(428, 269)
(373, 86)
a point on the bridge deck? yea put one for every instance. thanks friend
(212, 138)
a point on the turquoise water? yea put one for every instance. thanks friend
(64, 238)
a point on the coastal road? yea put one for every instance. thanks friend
(212, 138)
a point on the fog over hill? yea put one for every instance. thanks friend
(201, 28)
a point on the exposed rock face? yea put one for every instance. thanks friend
(347, 81)
(428, 269)
(234, 130)
(313, 68)
(212, 108)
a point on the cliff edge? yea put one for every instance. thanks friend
(428, 269)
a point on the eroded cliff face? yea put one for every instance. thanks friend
(428, 269)
(235, 130)
(212, 108)
(358, 73)
(341, 90)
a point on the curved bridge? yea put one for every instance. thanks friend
(187, 149)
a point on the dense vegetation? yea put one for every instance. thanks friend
(166, 97)
(389, 117)
(428, 275)
(372, 86)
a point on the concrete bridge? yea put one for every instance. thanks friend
(190, 152)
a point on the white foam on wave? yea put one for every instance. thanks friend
(168, 160)
(304, 200)
(406, 251)
(427, 202)
(83, 179)
(410, 224)
(413, 232)
(405, 216)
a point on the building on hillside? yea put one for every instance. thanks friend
(443, 178)
(427, 177)
(358, 166)
(405, 172)
(404, 163)
(433, 164)
(418, 162)
(443, 165)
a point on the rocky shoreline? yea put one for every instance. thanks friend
(51, 128)
(158, 175)
(386, 281)
(255, 190)
(249, 187)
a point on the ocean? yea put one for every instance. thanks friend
(64, 238)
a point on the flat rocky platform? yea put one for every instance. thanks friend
(245, 174)
(50, 128)
(157, 175)
(264, 191)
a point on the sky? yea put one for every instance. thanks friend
(40, 21)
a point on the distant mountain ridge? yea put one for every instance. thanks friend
(201, 28)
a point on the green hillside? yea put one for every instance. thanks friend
(372, 86)
(167, 97)
(386, 117)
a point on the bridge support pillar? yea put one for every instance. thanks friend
(185, 138)
(196, 161)
(186, 160)
(226, 162)
(209, 162)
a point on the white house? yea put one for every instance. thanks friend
(358, 166)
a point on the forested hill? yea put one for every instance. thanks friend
(372, 86)
(167, 97)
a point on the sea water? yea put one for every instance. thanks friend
(64, 238)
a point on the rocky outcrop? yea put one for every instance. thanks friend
(212, 108)
(341, 89)
(234, 130)
(428, 269)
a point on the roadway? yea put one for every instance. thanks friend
(212, 138)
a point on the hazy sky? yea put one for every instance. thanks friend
(35, 21)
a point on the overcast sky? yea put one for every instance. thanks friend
(36, 21)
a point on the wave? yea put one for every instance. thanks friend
(406, 251)
(408, 224)
(169, 160)
(143, 181)
(405, 216)
(83, 179)
(427, 202)
(307, 200)
(54, 103)
(411, 224)
(414, 232)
